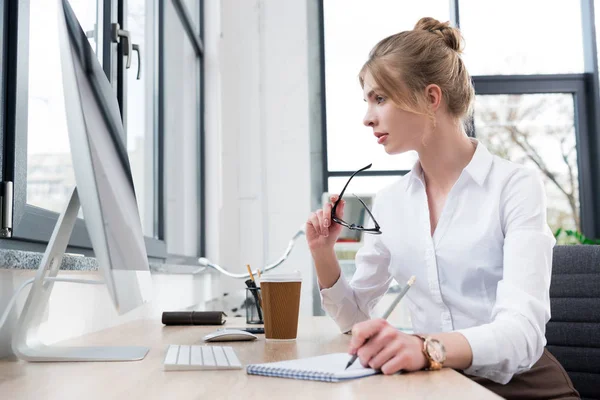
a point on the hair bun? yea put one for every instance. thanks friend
(452, 36)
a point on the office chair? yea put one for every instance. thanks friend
(573, 332)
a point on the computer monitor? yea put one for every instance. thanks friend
(106, 193)
(102, 170)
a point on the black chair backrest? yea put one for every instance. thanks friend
(573, 332)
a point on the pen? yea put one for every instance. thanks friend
(387, 313)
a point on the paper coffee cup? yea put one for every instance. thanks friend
(281, 305)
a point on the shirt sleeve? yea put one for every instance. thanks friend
(515, 338)
(351, 302)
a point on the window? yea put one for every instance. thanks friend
(183, 180)
(35, 153)
(50, 175)
(360, 184)
(522, 37)
(140, 109)
(351, 30)
(537, 130)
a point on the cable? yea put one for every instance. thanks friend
(13, 299)
(207, 263)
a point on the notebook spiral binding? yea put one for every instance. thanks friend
(291, 373)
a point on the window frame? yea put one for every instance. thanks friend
(196, 36)
(576, 85)
(32, 226)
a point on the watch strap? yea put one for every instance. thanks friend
(432, 364)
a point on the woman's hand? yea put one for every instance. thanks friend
(321, 231)
(387, 348)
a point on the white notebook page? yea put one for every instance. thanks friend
(334, 363)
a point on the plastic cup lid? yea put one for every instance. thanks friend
(282, 277)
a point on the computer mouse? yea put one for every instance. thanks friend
(229, 335)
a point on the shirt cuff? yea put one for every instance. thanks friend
(485, 354)
(333, 300)
(336, 293)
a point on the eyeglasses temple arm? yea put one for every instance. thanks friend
(367, 208)
(344, 189)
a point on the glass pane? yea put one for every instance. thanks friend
(193, 7)
(182, 117)
(367, 185)
(89, 14)
(536, 130)
(522, 37)
(140, 109)
(50, 177)
(352, 28)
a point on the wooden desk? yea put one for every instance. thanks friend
(146, 379)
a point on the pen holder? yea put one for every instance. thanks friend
(254, 313)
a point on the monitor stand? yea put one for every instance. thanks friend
(26, 343)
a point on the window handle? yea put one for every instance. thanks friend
(136, 48)
(91, 34)
(117, 35)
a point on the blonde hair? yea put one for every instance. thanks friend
(404, 64)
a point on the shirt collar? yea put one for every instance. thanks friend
(415, 174)
(480, 164)
(478, 168)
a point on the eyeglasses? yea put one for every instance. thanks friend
(354, 227)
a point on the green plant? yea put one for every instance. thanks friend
(576, 237)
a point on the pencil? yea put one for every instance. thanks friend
(258, 272)
(410, 282)
(387, 313)
(250, 272)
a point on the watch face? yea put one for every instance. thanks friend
(436, 351)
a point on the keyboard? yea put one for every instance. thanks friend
(190, 358)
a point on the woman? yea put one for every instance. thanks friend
(469, 225)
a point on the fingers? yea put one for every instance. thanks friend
(361, 332)
(323, 230)
(339, 210)
(369, 351)
(380, 348)
(395, 364)
(388, 351)
(385, 348)
(313, 220)
(316, 220)
(321, 221)
(327, 215)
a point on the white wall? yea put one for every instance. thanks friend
(257, 134)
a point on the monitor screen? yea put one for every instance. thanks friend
(102, 170)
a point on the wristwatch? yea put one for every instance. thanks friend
(434, 351)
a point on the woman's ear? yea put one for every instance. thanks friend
(434, 96)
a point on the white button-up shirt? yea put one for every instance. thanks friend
(485, 272)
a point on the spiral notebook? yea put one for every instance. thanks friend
(328, 368)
